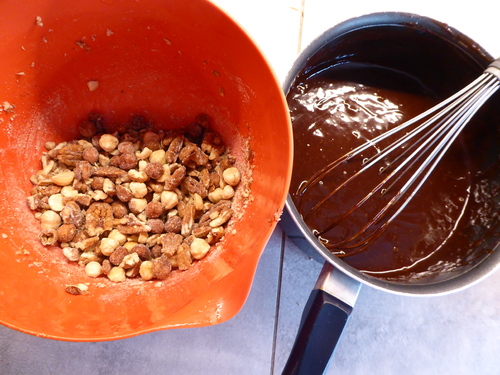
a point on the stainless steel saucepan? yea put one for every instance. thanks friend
(333, 298)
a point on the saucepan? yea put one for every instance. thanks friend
(414, 46)
(165, 60)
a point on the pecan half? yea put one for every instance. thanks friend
(175, 178)
(70, 154)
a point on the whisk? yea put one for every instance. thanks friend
(408, 161)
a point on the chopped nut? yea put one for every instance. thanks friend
(170, 243)
(48, 237)
(146, 270)
(138, 189)
(227, 192)
(105, 267)
(133, 226)
(198, 202)
(135, 202)
(161, 267)
(87, 257)
(108, 142)
(222, 218)
(139, 176)
(123, 193)
(83, 170)
(169, 199)
(63, 178)
(137, 205)
(158, 157)
(116, 257)
(115, 234)
(72, 214)
(77, 289)
(194, 186)
(130, 260)
(173, 224)
(108, 187)
(144, 154)
(216, 195)
(174, 148)
(91, 155)
(69, 192)
(111, 172)
(71, 253)
(92, 85)
(120, 209)
(142, 251)
(175, 178)
(85, 243)
(108, 246)
(93, 269)
(98, 195)
(188, 220)
(117, 274)
(70, 154)
(127, 161)
(202, 231)
(184, 258)
(154, 170)
(154, 209)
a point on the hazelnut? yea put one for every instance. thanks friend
(93, 269)
(154, 210)
(231, 176)
(66, 232)
(117, 274)
(199, 248)
(108, 142)
(50, 220)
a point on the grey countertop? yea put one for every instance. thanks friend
(386, 334)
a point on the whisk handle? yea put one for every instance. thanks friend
(494, 68)
(323, 321)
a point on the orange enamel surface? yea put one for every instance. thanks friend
(168, 60)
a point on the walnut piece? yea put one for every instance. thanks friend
(99, 218)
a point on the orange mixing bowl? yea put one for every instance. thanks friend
(168, 60)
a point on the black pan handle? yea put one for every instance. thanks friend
(323, 320)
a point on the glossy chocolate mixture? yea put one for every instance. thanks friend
(340, 102)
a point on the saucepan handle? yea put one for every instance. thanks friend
(323, 320)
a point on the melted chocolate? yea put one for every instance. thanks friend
(343, 98)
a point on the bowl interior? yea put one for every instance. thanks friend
(166, 60)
